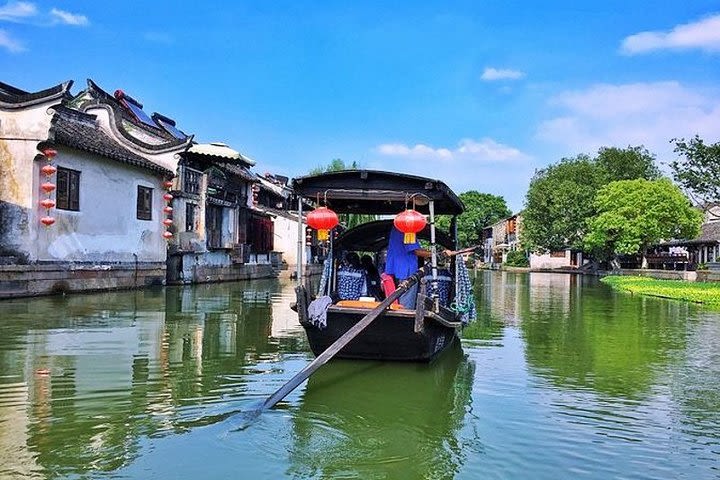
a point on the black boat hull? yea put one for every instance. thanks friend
(392, 336)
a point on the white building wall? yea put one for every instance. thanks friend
(18, 178)
(286, 238)
(546, 261)
(106, 227)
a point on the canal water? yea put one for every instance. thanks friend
(560, 377)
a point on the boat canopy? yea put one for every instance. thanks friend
(373, 237)
(377, 192)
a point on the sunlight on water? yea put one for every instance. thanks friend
(560, 377)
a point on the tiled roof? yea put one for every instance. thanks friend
(12, 97)
(81, 131)
(709, 231)
(217, 149)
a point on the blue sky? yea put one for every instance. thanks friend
(478, 94)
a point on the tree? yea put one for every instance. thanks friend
(698, 169)
(634, 214)
(481, 210)
(558, 204)
(626, 164)
(335, 165)
(560, 199)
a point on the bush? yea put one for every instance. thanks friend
(517, 258)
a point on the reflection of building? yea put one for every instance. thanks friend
(100, 372)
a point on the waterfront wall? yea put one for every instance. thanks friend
(48, 279)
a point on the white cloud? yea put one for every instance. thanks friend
(483, 165)
(8, 43)
(703, 34)
(650, 114)
(67, 18)
(491, 74)
(468, 151)
(17, 11)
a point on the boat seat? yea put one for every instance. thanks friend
(365, 304)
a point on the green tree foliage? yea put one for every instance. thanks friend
(335, 165)
(626, 164)
(481, 210)
(698, 169)
(558, 204)
(634, 214)
(561, 197)
(517, 258)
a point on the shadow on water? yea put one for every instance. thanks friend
(383, 420)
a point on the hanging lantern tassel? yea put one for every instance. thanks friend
(323, 220)
(410, 222)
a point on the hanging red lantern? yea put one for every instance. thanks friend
(47, 221)
(49, 153)
(323, 220)
(48, 170)
(48, 187)
(48, 203)
(410, 222)
(167, 235)
(167, 209)
(168, 184)
(168, 197)
(167, 222)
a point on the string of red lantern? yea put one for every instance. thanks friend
(167, 221)
(48, 186)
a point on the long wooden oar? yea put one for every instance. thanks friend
(330, 352)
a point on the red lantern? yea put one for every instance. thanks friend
(168, 184)
(49, 153)
(323, 220)
(167, 235)
(167, 209)
(168, 197)
(48, 203)
(47, 221)
(48, 187)
(409, 222)
(167, 222)
(48, 170)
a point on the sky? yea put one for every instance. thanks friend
(479, 94)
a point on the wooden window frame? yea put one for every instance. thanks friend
(144, 202)
(67, 196)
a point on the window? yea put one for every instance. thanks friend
(144, 203)
(190, 217)
(68, 189)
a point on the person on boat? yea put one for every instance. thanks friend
(402, 261)
(351, 278)
(374, 288)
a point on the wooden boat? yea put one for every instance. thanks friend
(419, 334)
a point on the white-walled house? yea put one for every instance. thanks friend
(107, 231)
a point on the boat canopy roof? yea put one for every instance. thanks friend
(377, 192)
(374, 236)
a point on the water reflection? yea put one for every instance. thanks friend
(85, 377)
(383, 420)
(559, 374)
(590, 338)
